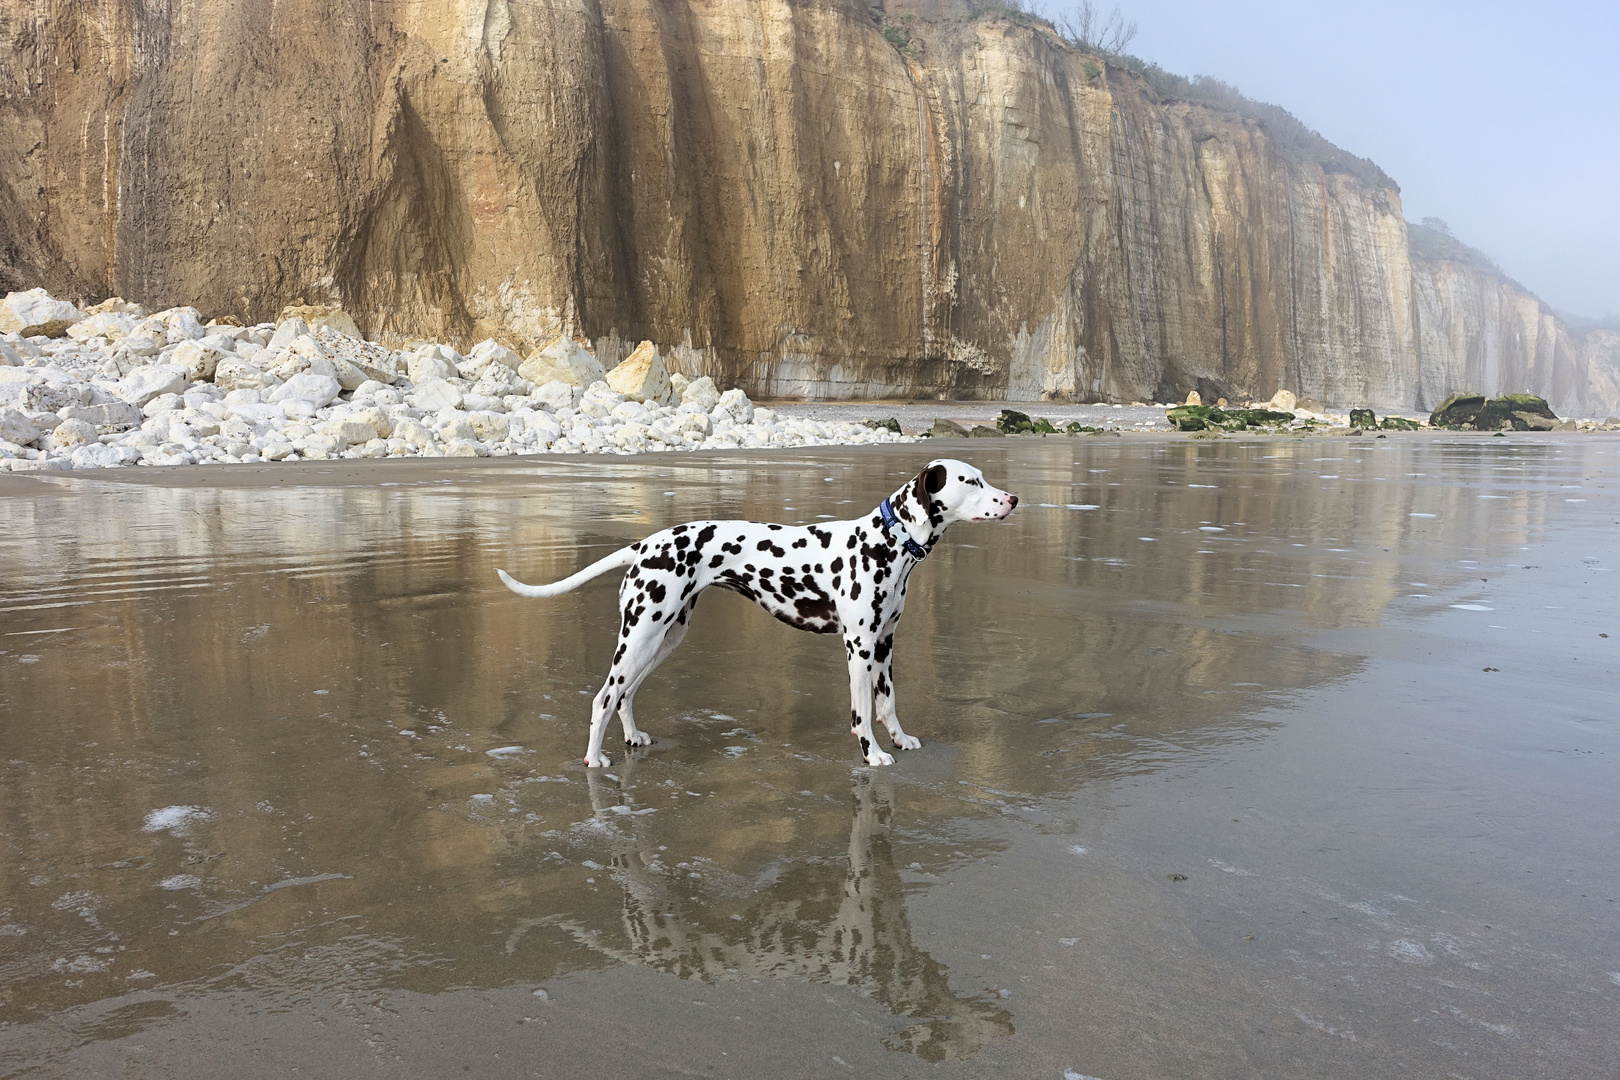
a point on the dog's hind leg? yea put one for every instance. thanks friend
(640, 638)
(672, 638)
(883, 693)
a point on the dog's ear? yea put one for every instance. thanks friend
(928, 482)
(919, 490)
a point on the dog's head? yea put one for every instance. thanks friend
(949, 491)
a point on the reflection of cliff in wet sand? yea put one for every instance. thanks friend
(814, 924)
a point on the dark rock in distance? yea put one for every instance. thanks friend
(1520, 412)
(1529, 421)
(888, 424)
(1195, 417)
(1363, 419)
(1261, 417)
(1400, 423)
(1458, 412)
(1013, 422)
(1529, 403)
(947, 429)
(1527, 412)
(1214, 418)
(981, 432)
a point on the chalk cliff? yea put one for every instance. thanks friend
(803, 198)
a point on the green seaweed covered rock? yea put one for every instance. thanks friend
(1526, 412)
(1013, 422)
(1214, 418)
(1195, 417)
(1458, 412)
(1261, 417)
(1473, 412)
(1363, 419)
(1399, 423)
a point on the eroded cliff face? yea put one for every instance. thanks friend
(1475, 328)
(772, 191)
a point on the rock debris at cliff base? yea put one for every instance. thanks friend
(123, 387)
(114, 385)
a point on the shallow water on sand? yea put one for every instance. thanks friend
(1264, 757)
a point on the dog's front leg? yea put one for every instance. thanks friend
(862, 663)
(883, 689)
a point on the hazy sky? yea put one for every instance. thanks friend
(1503, 119)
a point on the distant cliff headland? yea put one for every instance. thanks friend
(809, 198)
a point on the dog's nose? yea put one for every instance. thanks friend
(1012, 501)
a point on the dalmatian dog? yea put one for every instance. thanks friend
(841, 577)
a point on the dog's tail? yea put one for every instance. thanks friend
(622, 557)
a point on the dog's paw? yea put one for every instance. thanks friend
(638, 738)
(907, 742)
(599, 761)
(877, 758)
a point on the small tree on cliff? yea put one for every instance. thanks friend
(1085, 27)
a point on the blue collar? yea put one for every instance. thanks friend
(891, 523)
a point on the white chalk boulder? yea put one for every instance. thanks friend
(36, 312)
(489, 427)
(413, 433)
(425, 367)
(141, 344)
(562, 360)
(288, 332)
(701, 392)
(328, 315)
(199, 360)
(235, 374)
(487, 352)
(71, 433)
(348, 432)
(433, 395)
(558, 395)
(17, 427)
(179, 324)
(114, 414)
(316, 390)
(733, 406)
(97, 456)
(641, 376)
(154, 380)
(542, 427)
(378, 420)
(107, 324)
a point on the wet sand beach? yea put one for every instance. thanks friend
(1258, 757)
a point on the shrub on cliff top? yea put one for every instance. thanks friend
(1433, 241)
(1086, 30)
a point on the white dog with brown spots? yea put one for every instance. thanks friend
(845, 577)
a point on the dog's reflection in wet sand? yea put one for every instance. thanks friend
(814, 922)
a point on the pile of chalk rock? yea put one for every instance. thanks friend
(115, 385)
